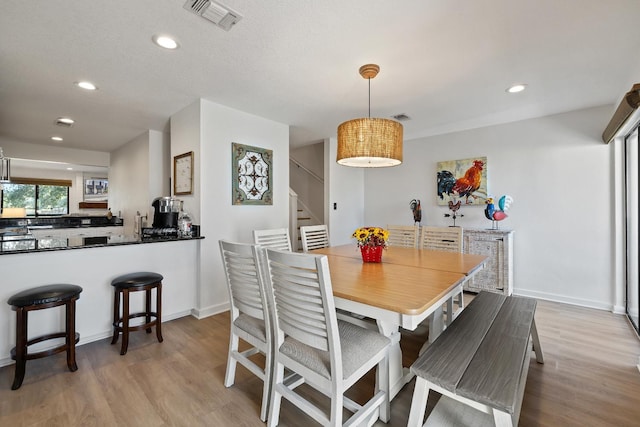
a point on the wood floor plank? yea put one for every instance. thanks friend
(589, 378)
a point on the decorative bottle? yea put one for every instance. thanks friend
(184, 224)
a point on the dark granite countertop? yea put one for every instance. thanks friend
(26, 243)
(67, 221)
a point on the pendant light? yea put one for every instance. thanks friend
(5, 168)
(367, 142)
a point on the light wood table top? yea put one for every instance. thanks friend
(399, 288)
(455, 262)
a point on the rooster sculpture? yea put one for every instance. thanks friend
(464, 186)
(498, 214)
(414, 205)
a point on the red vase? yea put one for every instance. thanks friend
(371, 253)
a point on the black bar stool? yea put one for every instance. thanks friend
(134, 282)
(38, 299)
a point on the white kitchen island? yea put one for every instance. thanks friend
(93, 268)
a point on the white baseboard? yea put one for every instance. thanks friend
(567, 300)
(210, 311)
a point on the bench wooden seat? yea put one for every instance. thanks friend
(480, 360)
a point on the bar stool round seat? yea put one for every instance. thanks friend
(123, 286)
(39, 298)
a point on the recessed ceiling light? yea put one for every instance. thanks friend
(517, 88)
(65, 121)
(56, 138)
(165, 42)
(69, 169)
(86, 85)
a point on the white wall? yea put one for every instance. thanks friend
(209, 129)
(560, 175)
(346, 189)
(186, 135)
(133, 184)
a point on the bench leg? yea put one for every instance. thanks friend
(502, 419)
(418, 403)
(536, 342)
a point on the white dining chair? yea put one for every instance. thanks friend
(250, 318)
(445, 239)
(314, 237)
(277, 238)
(328, 354)
(403, 235)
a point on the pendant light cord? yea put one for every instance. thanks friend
(369, 96)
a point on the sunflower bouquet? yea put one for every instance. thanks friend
(371, 237)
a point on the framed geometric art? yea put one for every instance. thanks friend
(462, 180)
(252, 180)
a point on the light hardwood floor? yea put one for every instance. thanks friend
(589, 378)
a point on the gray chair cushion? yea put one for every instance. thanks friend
(358, 346)
(251, 325)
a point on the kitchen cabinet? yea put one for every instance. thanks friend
(497, 274)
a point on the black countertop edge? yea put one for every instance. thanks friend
(73, 221)
(48, 244)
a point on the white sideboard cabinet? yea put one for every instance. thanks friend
(497, 245)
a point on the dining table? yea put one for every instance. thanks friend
(407, 287)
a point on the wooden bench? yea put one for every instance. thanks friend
(479, 364)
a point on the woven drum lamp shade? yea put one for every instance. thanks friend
(370, 143)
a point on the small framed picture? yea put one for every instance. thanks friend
(183, 174)
(96, 189)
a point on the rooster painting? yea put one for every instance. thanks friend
(462, 179)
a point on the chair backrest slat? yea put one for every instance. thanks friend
(277, 238)
(403, 235)
(303, 299)
(314, 237)
(442, 238)
(246, 287)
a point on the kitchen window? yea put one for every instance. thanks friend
(39, 197)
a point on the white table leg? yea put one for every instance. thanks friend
(398, 375)
(436, 324)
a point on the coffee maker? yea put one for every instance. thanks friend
(166, 212)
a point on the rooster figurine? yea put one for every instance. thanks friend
(453, 207)
(416, 210)
(493, 214)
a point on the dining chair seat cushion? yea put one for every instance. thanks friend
(358, 344)
(252, 326)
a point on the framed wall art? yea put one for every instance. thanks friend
(96, 189)
(183, 174)
(462, 180)
(252, 180)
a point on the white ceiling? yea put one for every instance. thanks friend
(444, 63)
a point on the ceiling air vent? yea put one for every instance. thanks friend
(401, 117)
(220, 15)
